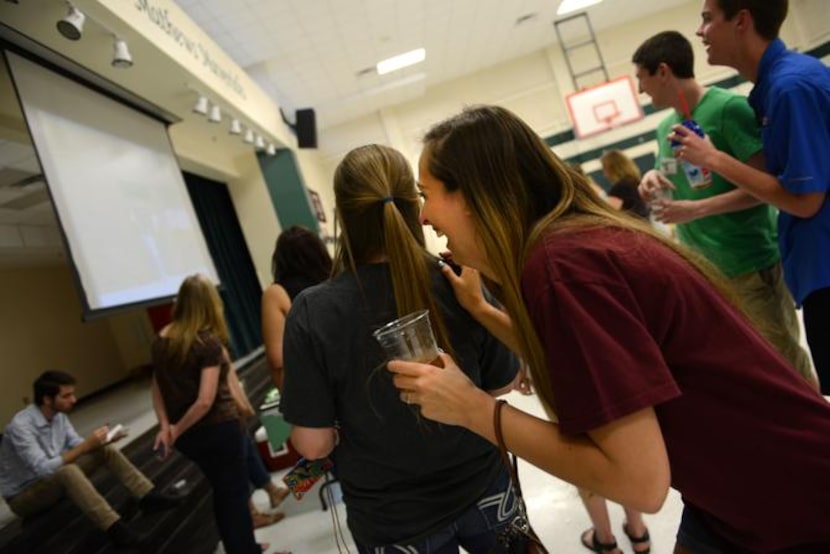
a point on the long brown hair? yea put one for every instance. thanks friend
(517, 189)
(198, 310)
(378, 207)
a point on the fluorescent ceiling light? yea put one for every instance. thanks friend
(568, 6)
(401, 60)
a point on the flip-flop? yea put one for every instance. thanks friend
(594, 545)
(260, 519)
(638, 540)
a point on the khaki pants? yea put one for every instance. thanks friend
(72, 480)
(766, 298)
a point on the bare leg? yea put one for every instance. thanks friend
(597, 509)
(634, 526)
(276, 494)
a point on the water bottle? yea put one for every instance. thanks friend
(698, 177)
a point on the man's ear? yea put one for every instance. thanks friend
(743, 20)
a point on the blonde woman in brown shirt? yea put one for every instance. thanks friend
(195, 408)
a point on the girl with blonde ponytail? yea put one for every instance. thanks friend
(410, 485)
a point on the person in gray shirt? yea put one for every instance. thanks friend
(43, 458)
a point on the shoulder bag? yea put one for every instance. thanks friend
(518, 537)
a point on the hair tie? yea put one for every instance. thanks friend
(387, 199)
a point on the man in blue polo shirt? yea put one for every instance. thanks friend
(791, 100)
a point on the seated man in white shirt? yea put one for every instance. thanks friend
(42, 458)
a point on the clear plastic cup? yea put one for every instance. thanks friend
(409, 338)
(659, 195)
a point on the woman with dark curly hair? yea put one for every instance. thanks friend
(300, 260)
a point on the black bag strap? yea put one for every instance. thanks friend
(510, 464)
(534, 544)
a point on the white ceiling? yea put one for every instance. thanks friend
(310, 53)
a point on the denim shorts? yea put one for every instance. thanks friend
(475, 529)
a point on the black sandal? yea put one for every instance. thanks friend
(637, 540)
(594, 545)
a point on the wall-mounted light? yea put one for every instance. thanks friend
(260, 142)
(72, 24)
(249, 137)
(201, 106)
(121, 56)
(271, 150)
(215, 114)
(236, 127)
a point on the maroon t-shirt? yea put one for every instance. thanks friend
(627, 324)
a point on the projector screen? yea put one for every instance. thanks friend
(120, 197)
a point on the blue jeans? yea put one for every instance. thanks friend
(475, 530)
(219, 452)
(696, 535)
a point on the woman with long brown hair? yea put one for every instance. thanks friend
(196, 411)
(409, 485)
(651, 374)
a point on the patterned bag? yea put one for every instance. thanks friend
(519, 537)
(303, 475)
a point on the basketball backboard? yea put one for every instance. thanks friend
(603, 107)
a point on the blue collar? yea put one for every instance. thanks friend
(774, 50)
(37, 416)
(772, 53)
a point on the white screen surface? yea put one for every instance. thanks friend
(119, 193)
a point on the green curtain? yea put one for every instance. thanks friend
(240, 288)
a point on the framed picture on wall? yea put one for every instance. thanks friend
(317, 205)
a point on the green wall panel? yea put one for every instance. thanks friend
(287, 190)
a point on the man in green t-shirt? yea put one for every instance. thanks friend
(733, 230)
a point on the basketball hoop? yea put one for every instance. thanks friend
(603, 107)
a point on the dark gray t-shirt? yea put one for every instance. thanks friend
(403, 476)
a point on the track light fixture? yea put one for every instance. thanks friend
(121, 56)
(72, 24)
(215, 114)
(213, 111)
(201, 106)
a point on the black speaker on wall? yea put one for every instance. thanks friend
(306, 128)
